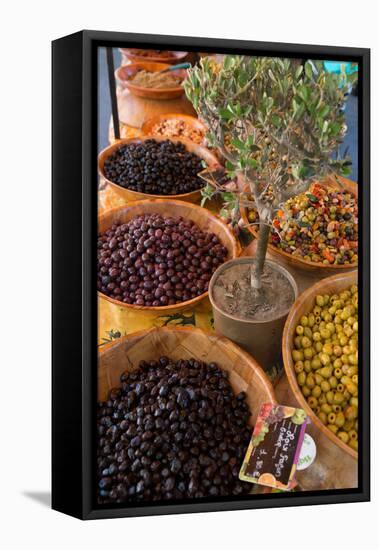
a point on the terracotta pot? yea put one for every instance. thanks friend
(124, 73)
(203, 218)
(295, 261)
(260, 338)
(245, 374)
(128, 195)
(131, 54)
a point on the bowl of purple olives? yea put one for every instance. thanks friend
(176, 408)
(160, 254)
(155, 167)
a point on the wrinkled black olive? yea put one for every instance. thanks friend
(182, 433)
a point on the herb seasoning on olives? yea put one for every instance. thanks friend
(155, 167)
(157, 261)
(173, 430)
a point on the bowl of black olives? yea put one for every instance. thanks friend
(160, 254)
(155, 167)
(176, 408)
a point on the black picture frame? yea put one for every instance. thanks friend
(74, 314)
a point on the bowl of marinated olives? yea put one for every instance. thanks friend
(317, 230)
(320, 354)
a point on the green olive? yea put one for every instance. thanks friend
(300, 330)
(304, 321)
(343, 436)
(306, 342)
(306, 391)
(297, 355)
(312, 402)
(351, 412)
(301, 378)
(299, 367)
(310, 381)
(325, 386)
(320, 301)
(340, 419)
(353, 435)
(333, 428)
(353, 444)
(326, 372)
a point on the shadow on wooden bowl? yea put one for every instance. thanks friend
(128, 195)
(302, 306)
(296, 261)
(245, 374)
(157, 56)
(193, 123)
(125, 73)
(204, 219)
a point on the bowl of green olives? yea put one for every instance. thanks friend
(320, 354)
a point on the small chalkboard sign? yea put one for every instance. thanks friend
(274, 449)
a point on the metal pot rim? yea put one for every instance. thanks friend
(248, 260)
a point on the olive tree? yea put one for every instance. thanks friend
(276, 122)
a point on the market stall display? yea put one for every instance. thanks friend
(287, 214)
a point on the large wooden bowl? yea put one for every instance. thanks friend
(300, 263)
(174, 57)
(191, 121)
(124, 73)
(201, 216)
(302, 306)
(245, 374)
(128, 195)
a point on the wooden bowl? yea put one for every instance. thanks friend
(174, 57)
(191, 121)
(302, 306)
(124, 73)
(245, 374)
(300, 263)
(201, 216)
(129, 195)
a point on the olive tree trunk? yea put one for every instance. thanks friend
(260, 255)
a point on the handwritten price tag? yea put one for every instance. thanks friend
(272, 456)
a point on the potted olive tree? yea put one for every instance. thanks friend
(276, 122)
